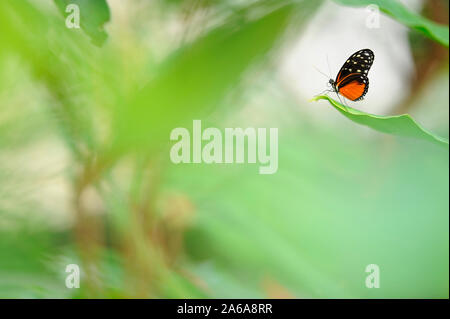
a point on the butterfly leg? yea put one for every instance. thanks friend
(343, 103)
(339, 98)
(323, 92)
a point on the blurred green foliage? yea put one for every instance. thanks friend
(95, 15)
(398, 11)
(84, 138)
(212, 65)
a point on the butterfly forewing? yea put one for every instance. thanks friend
(359, 63)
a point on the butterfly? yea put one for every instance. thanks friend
(352, 81)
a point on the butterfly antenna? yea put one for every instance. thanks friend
(328, 63)
(321, 72)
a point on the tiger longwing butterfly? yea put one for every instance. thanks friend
(352, 81)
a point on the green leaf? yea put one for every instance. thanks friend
(193, 81)
(401, 125)
(93, 16)
(399, 12)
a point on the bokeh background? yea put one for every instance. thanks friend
(85, 174)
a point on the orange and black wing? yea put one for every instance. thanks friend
(352, 81)
(354, 86)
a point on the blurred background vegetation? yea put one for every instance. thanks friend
(85, 175)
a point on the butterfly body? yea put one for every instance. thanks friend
(352, 81)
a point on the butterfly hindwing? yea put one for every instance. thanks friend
(354, 86)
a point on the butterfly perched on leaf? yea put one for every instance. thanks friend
(352, 81)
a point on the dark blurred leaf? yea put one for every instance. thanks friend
(399, 12)
(401, 125)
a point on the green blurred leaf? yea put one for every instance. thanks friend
(192, 82)
(399, 12)
(401, 125)
(27, 261)
(93, 16)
